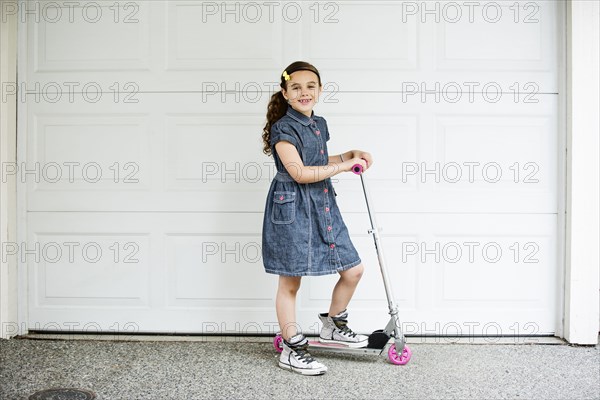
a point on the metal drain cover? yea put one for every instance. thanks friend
(63, 394)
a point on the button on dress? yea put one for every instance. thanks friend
(303, 230)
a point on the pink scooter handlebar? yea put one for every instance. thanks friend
(358, 169)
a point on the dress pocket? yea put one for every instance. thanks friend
(284, 207)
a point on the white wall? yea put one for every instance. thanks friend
(8, 135)
(583, 127)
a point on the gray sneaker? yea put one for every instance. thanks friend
(335, 330)
(295, 357)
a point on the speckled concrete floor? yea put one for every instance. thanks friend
(248, 370)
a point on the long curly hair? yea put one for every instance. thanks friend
(278, 105)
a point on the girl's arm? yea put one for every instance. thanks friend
(352, 154)
(307, 173)
(336, 158)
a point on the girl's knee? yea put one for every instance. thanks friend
(289, 284)
(354, 274)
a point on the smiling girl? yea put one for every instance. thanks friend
(303, 231)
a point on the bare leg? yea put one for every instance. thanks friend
(344, 289)
(285, 304)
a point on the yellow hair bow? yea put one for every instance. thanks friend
(286, 76)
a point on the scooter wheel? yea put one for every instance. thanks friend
(278, 343)
(399, 359)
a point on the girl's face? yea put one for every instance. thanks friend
(303, 91)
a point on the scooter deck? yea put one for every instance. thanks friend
(340, 348)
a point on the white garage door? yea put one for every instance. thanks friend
(146, 208)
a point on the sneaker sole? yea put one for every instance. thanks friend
(302, 371)
(353, 345)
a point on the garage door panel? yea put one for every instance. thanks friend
(439, 46)
(509, 269)
(501, 156)
(494, 138)
(206, 153)
(88, 260)
(508, 152)
(206, 320)
(147, 155)
(376, 133)
(499, 26)
(474, 157)
(257, 44)
(153, 46)
(165, 263)
(94, 269)
(332, 46)
(222, 273)
(83, 153)
(464, 154)
(214, 267)
(109, 37)
(452, 267)
(240, 46)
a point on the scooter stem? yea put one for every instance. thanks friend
(382, 265)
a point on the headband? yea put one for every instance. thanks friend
(286, 76)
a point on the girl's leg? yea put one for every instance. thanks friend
(285, 304)
(344, 289)
(335, 323)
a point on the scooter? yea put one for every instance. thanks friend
(380, 341)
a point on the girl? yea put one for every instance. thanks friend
(303, 230)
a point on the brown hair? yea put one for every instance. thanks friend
(278, 105)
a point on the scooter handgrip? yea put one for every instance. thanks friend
(357, 169)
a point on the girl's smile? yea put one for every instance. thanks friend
(302, 91)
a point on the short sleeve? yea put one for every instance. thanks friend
(281, 132)
(326, 130)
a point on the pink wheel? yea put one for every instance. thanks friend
(278, 343)
(399, 359)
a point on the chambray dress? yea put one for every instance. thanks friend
(303, 231)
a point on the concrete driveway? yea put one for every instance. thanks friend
(246, 368)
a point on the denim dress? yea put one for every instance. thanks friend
(303, 230)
